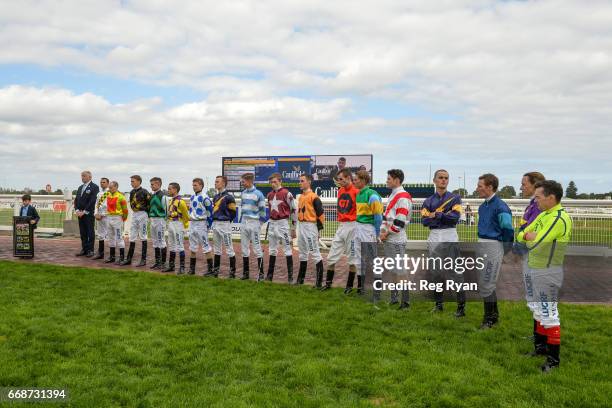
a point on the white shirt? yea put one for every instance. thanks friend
(83, 192)
(84, 187)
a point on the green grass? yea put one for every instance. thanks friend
(134, 339)
(48, 219)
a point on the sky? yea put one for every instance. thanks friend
(161, 88)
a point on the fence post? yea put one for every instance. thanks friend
(69, 206)
(16, 207)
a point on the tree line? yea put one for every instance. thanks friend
(505, 192)
(509, 192)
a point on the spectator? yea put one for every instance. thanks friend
(469, 215)
(28, 210)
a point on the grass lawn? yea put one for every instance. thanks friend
(136, 339)
(48, 219)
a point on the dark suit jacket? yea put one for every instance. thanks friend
(32, 213)
(87, 200)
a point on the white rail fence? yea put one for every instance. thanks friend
(592, 218)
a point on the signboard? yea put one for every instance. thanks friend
(23, 237)
(291, 167)
(41, 204)
(322, 168)
(326, 167)
(59, 206)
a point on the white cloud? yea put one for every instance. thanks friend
(523, 80)
(59, 131)
(51, 106)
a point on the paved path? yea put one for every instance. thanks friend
(61, 251)
(587, 279)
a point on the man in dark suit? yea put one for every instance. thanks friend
(28, 210)
(84, 206)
